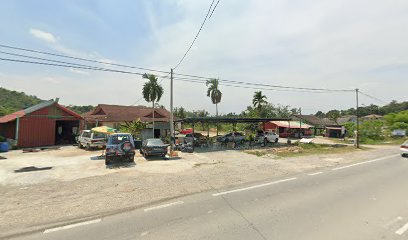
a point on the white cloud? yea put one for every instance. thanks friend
(45, 36)
(52, 80)
(77, 71)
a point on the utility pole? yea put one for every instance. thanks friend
(358, 122)
(171, 112)
(300, 123)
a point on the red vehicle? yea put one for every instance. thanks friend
(186, 131)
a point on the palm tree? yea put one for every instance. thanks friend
(152, 91)
(214, 93)
(258, 100)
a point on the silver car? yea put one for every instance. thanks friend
(90, 140)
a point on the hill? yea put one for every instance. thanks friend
(12, 101)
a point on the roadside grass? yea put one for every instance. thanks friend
(384, 141)
(305, 149)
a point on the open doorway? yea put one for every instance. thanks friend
(66, 131)
(156, 133)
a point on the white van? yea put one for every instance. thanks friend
(89, 140)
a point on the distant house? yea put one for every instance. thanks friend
(372, 117)
(115, 115)
(289, 128)
(44, 124)
(326, 126)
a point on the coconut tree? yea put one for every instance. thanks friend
(214, 93)
(259, 100)
(152, 92)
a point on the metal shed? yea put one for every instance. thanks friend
(47, 123)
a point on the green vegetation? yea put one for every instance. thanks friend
(135, 127)
(81, 109)
(304, 149)
(12, 101)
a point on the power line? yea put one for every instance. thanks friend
(202, 81)
(196, 36)
(81, 59)
(154, 70)
(372, 97)
(214, 8)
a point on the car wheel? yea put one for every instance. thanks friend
(107, 162)
(276, 140)
(145, 155)
(266, 140)
(88, 147)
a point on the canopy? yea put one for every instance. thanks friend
(104, 129)
(291, 124)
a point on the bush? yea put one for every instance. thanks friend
(2, 139)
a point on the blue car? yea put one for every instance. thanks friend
(120, 147)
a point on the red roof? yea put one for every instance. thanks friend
(118, 113)
(21, 113)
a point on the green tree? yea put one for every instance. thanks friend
(180, 112)
(259, 100)
(134, 127)
(152, 92)
(320, 114)
(333, 115)
(215, 94)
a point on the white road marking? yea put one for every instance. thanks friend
(402, 230)
(314, 174)
(163, 206)
(72, 225)
(393, 221)
(252, 187)
(361, 163)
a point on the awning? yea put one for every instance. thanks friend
(291, 124)
(334, 128)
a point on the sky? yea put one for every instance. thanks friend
(344, 44)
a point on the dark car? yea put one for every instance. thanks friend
(153, 147)
(120, 147)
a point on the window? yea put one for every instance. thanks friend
(99, 135)
(117, 139)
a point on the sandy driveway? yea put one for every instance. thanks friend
(78, 187)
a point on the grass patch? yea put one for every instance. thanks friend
(299, 149)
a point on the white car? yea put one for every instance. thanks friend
(404, 149)
(267, 136)
(88, 139)
(271, 137)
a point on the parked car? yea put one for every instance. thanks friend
(232, 137)
(88, 139)
(404, 149)
(120, 147)
(186, 131)
(153, 147)
(268, 136)
(198, 138)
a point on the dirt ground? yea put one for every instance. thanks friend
(79, 185)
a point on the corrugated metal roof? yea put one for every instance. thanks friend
(21, 113)
(291, 124)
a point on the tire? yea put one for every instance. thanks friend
(88, 147)
(80, 145)
(266, 140)
(107, 162)
(242, 141)
(276, 140)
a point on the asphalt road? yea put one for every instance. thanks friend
(359, 201)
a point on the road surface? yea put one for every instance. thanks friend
(367, 200)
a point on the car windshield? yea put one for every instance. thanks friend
(99, 135)
(117, 139)
(153, 142)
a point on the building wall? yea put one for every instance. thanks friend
(36, 131)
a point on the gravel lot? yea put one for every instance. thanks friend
(79, 185)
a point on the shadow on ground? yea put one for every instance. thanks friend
(31, 169)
